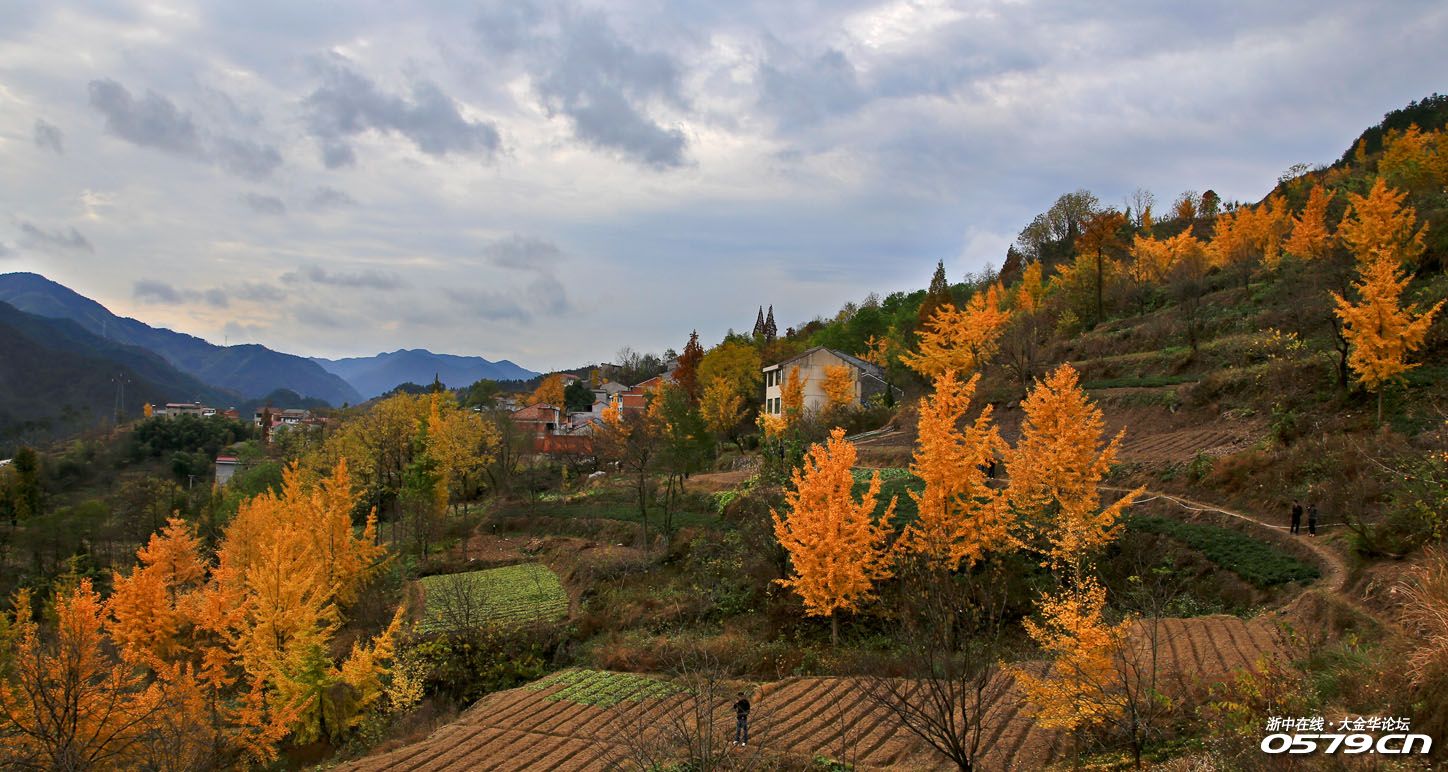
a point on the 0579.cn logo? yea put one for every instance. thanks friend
(1360, 735)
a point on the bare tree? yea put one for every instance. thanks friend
(461, 606)
(1138, 203)
(953, 644)
(694, 727)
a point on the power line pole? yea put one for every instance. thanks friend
(120, 381)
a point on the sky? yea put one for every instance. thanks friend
(551, 181)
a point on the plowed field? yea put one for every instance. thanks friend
(529, 729)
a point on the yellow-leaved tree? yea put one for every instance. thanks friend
(1055, 473)
(722, 407)
(1379, 225)
(837, 546)
(1415, 160)
(839, 388)
(961, 517)
(791, 397)
(1083, 647)
(1310, 237)
(960, 340)
(550, 391)
(1380, 329)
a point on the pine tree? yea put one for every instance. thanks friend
(837, 547)
(759, 324)
(770, 330)
(686, 375)
(937, 295)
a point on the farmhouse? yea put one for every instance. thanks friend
(869, 380)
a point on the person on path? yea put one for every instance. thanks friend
(1296, 515)
(741, 715)
(1312, 519)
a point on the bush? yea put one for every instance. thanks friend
(461, 668)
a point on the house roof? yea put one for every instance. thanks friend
(540, 411)
(856, 361)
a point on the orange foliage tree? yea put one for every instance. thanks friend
(722, 407)
(1055, 472)
(960, 340)
(550, 391)
(791, 396)
(839, 387)
(1101, 235)
(837, 547)
(211, 666)
(1415, 160)
(1379, 225)
(1310, 237)
(961, 517)
(1083, 648)
(1380, 329)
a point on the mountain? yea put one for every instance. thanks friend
(250, 370)
(59, 378)
(376, 375)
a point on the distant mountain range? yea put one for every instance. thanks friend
(57, 378)
(249, 370)
(378, 374)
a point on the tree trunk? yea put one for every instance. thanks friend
(834, 630)
(1099, 314)
(1380, 405)
(644, 509)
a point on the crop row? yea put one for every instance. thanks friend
(602, 688)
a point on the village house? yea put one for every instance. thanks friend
(174, 409)
(868, 379)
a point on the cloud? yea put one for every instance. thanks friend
(156, 122)
(326, 197)
(348, 104)
(261, 204)
(366, 279)
(157, 292)
(603, 84)
(5, 251)
(543, 296)
(245, 158)
(523, 253)
(801, 92)
(48, 136)
(64, 240)
(257, 292)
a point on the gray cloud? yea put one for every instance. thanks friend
(366, 279)
(5, 251)
(348, 104)
(800, 92)
(603, 84)
(156, 122)
(157, 292)
(257, 292)
(263, 204)
(543, 296)
(61, 239)
(523, 253)
(48, 136)
(327, 197)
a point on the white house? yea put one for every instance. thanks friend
(869, 379)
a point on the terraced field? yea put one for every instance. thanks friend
(527, 592)
(1186, 444)
(540, 727)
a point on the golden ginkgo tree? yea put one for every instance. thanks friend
(837, 546)
(963, 340)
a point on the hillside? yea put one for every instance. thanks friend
(375, 375)
(59, 378)
(250, 370)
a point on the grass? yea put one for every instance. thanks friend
(1139, 382)
(528, 592)
(616, 503)
(603, 688)
(894, 482)
(1255, 561)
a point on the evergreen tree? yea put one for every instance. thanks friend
(759, 324)
(938, 295)
(770, 331)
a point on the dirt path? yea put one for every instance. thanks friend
(1335, 574)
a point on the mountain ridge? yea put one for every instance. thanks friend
(251, 370)
(377, 374)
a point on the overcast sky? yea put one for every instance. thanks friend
(550, 181)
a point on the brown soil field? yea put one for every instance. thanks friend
(521, 729)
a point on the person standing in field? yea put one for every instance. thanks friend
(1312, 519)
(741, 715)
(1296, 516)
